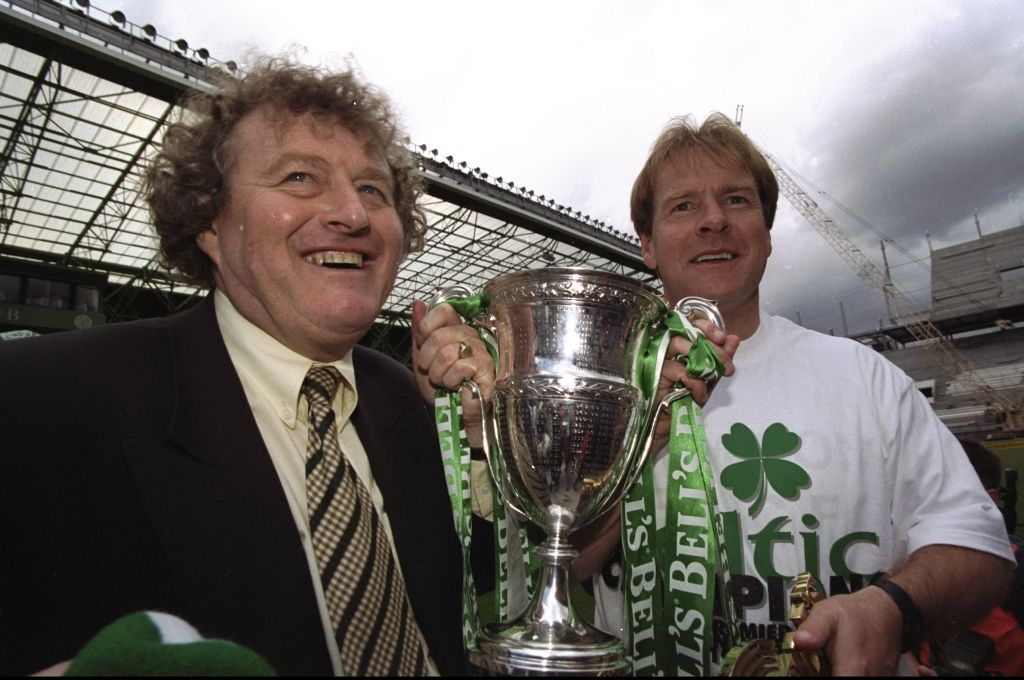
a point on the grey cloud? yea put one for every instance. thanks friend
(942, 136)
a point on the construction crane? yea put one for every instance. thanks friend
(920, 327)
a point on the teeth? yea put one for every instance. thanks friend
(719, 256)
(335, 258)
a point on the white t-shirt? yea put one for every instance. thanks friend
(870, 474)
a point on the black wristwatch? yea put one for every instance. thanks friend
(913, 622)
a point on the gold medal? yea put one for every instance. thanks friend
(760, 658)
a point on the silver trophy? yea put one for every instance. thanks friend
(566, 433)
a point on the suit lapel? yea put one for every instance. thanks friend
(375, 419)
(219, 510)
(401, 443)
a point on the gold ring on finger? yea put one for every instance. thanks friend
(465, 351)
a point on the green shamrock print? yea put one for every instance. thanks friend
(749, 479)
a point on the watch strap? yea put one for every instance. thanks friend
(913, 622)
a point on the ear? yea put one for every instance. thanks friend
(209, 244)
(646, 247)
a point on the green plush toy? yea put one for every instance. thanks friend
(154, 643)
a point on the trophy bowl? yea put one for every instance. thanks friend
(565, 434)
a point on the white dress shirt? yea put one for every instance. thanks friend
(272, 375)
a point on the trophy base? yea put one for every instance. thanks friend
(518, 650)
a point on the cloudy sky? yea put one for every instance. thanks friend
(900, 118)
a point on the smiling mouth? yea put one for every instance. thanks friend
(336, 259)
(712, 258)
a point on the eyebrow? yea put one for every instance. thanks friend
(729, 188)
(369, 172)
(287, 159)
(375, 173)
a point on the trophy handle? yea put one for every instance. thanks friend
(494, 463)
(686, 306)
(448, 292)
(645, 449)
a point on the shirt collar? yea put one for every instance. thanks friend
(275, 370)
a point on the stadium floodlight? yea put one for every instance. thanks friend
(203, 53)
(182, 45)
(118, 17)
(150, 31)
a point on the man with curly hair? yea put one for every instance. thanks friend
(244, 465)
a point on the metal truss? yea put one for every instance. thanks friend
(84, 99)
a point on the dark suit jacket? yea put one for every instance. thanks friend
(133, 476)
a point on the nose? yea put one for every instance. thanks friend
(713, 218)
(343, 210)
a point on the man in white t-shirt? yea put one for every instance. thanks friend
(826, 458)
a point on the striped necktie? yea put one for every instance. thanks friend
(364, 588)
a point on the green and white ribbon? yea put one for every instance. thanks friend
(669, 576)
(455, 453)
(456, 456)
(512, 543)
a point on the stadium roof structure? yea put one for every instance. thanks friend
(84, 98)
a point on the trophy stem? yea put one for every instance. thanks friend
(549, 637)
(550, 610)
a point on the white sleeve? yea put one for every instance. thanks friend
(935, 493)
